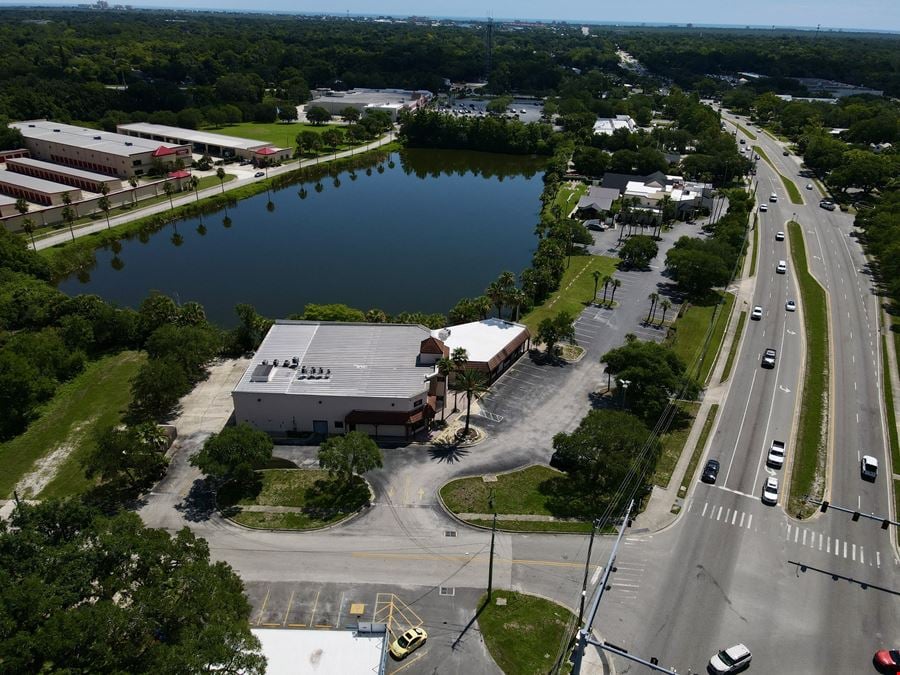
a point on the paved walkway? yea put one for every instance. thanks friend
(64, 236)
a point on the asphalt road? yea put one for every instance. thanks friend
(806, 597)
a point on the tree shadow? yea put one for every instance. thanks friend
(200, 502)
(329, 496)
(447, 453)
(565, 497)
(113, 496)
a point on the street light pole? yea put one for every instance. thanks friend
(587, 567)
(490, 588)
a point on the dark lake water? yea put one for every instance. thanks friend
(435, 227)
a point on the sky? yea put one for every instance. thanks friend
(881, 15)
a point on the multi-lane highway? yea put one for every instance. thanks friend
(806, 597)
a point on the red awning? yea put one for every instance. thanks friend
(266, 151)
(181, 173)
(163, 151)
(389, 416)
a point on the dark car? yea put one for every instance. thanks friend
(768, 359)
(710, 471)
(785, 153)
(887, 661)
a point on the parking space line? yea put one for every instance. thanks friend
(409, 663)
(340, 610)
(315, 606)
(288, 610)
(263, 608)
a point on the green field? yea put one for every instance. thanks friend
(809, 454)
(524, 635)
(568, 197)
(67, 425)
(672, 443)
(279, 134)
(689, 337)
(322, 500)
(575, 290)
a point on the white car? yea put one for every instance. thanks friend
(868, 467)
(782, 267)
(809, 186)
(779, 236)
(790, 306)
(773, 197)
(763, 208)
(769, 496)
(757, 313)
(731, 660)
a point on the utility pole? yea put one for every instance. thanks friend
(587, 567)
(491, 558)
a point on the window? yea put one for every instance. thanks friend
(338, 425)
(417, 403)
(136, 162)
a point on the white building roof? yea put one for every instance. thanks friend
(36, 184)
(323, 652)
(355, 359)
(607, 125)
(90, 139)
(482, 340)
(192, 136)
(59, 168)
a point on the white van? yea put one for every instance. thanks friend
(773, 197)
(782, 267)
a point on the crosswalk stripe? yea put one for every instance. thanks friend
(749, 520)
(854, 551)
(705, 506)
(878, 559)
(718, 517)
(828, 545)
(804, 536)
(734, 517)
(862, 558)
(742, 519)
(845, 549)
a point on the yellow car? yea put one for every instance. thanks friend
(409, 642)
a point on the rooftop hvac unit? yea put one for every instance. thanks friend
(444, 333)
(275, 362)
(96, 138)
(56, 131)
(295, 360)
(302, 369)
(265, 362)
(128, 143)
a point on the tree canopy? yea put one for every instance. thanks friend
(234, 453)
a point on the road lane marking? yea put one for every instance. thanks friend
(727, 513)
(828, 545)
(749, 520)
(741, 427)
(315, 606)
(878, 559)
(596, 575)
(796, 535)
(263, 608)
(862, 558)
(288, 610)
(742, 519)
(705, 506)
(845, 548)
(804, 536)
(719, 516)
(734, 517)
(820, 541)
(788, 536)
(854, 552)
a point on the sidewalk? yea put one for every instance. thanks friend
(64, 236)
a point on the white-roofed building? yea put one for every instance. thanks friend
(391, 101)
(7, 207)
(204, 142)
(324, 652)
(36, 190)
(378, 378)
(605, 126)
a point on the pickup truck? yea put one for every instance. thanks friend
(776, 455)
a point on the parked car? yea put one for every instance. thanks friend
(779, 236)
(775, 458)
(763, 208)
(710, 471)
(731, 660)
(768, 359)
(827, 204)
(757, 313)
(868, 467)
(407, 643)
(790, 306)
(769, 495)
(259, 174)
(781, 268)
(887, 661)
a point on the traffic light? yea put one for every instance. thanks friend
(823, 507)
(885, 524)
(855, 516)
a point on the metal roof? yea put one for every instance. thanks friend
(355, 359)
(36, 184)
(88, 139)
(186, 136)
(59, 168)
(599, 198)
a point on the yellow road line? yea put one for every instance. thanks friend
(481, 559)
(263, 608)
(288, 610)
(315, 605)
(409, 663)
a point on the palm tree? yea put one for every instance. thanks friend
(459, 357)
(22, 206)
(597, 274)
(607, 280)
(69, 216)
(28, 227)
(133, 182)
(665, 305)
(220, 174)
(446, 368)
(653, 297)
(497, 295)
(104, 205)
(518, 298)
(615, 283)
(482, 305)
(168, 189)
(473, 383)
(194, 183)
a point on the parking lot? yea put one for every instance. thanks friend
(444, 613)
(525, 110)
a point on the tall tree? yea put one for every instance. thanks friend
(234, 453)
(665, 305)
(168, 188)
(28, 227)
(653, 298)
(352, 454)
(472, 382)
(220, 174)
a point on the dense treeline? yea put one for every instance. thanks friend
(689, 57)
(432, 129)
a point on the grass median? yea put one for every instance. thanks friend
(755, 253)
(524, 633)
(735, 344)
(689, 337)
(789, 185)
(66, 427)
(749, 134)
(808, 474)
(889, 408)
(576, 290)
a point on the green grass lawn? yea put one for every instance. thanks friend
(323, 501)
(524, 636)
(809, 455)
(89, 402)
(568, 197)
(688, 477)
(575, 291)
(689, 338)
(735, 343)
(529, 526)
(755, 244)
(280, 134)
(889, 408)
(672, 443)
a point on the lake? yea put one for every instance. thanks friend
(415, 231)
